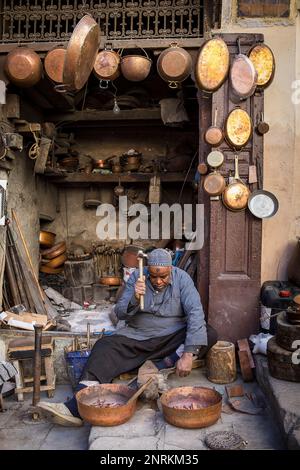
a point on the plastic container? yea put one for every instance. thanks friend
(76, 360)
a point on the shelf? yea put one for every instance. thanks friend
(96, 115)
(80, 179)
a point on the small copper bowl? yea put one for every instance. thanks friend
(106, 404)
(110, 281)
(54, 251)
(191, 407)
(57, 262)
(46, 238)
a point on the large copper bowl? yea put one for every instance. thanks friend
(106, 404)
(47, 238)
(191, 407)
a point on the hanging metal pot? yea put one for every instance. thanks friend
(261, 203)
(23, 67)
(238, 128)
(107, 66)
(236, 194)
(212, 65)
(263, 60)
(54, 64)
(136, 68)
(214, 135)
(243, 75)
(174, 65)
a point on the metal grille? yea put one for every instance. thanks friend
(54, 20)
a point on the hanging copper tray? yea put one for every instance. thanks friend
(212, 65)
(238, 128)
(81, 53)
(263, 60)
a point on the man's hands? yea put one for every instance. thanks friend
(184, 364)
(139, 288)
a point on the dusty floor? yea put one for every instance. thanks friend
(147, 428)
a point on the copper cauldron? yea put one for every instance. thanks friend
(54, 64)
(23, 67)
(191, 407)
(136, 67)
(106, 404)
(174, 65)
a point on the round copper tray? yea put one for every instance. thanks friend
(106, 404)
(191, 407)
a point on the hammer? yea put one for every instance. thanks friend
(141, 256)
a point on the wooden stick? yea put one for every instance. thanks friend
(29, 259)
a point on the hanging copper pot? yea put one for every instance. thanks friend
(23, 67)
(243, 76)
(54, 64)
(236, 194)
(107, 65)
(174, 65)
(136, 67)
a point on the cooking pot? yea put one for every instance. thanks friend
(136, 67)
(174, 65)
(23, 67)
(107, 66)
(54, 251)
(57, 261)
(110, 281)
(54, 64)
(236, 194)
(46, 238)
(191, 407)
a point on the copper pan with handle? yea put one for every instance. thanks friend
(214, 135)
(236, 194)
(243, 76)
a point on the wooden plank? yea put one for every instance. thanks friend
(43, 388)
(96, 115)
(24, 126)
(246, 369)
(243, 345)
(77, 179)
(12, 106)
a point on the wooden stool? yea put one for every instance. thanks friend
(22, 349)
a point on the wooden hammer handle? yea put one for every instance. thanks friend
(141, 277)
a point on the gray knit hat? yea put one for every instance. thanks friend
(159, 257)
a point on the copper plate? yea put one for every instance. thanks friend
(212, 65)
(81, 53)
(238, 128)
(54, 64)
(191, 407)
(263, 60)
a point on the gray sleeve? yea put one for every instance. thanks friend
(127, 304)
(196, 334)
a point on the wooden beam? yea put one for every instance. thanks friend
(78, 179)
(95, 115)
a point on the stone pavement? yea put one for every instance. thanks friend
(19, 432)
(147, 430)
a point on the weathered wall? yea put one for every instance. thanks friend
(76, 223)
(281, 144)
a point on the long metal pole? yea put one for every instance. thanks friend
(37, 364)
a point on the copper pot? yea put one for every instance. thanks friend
(54, 64)
(174, 65)
(107, 65)
(102, 164)
(47, 270)
(236, 194)
(106, 404)
(54, 251)
(46, 238)
(23, 67)
(136, 67)
(191, 407)
(57, 261)
(110, 281)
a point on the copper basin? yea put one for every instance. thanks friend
(110, 281)
(46, 238)
(191, 407)
(106, 404)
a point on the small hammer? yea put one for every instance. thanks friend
(141, 256)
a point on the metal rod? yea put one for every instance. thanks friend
(37, 364)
